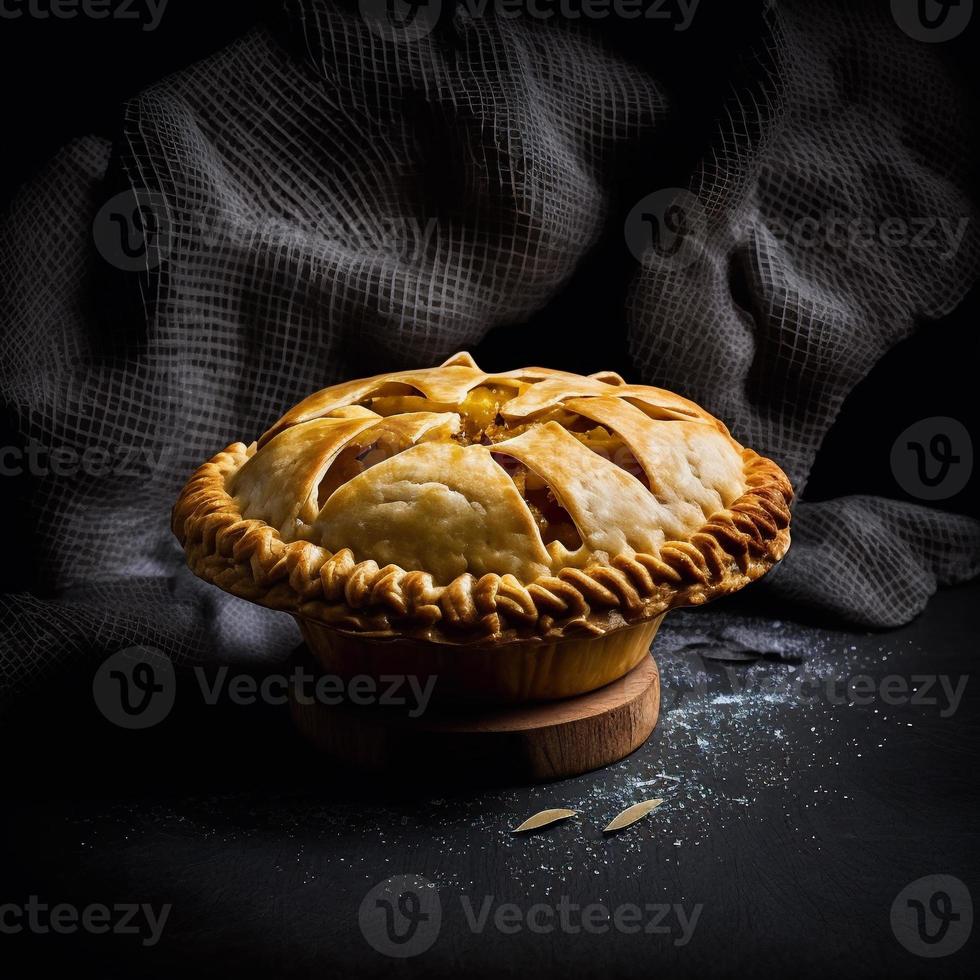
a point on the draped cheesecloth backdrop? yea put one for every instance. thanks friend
(335, 194)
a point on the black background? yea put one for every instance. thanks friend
(265, 852)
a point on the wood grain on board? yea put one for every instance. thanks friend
(528, 743)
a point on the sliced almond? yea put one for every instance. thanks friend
(543, 819)
(630, 815)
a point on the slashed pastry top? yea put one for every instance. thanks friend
(454, 505)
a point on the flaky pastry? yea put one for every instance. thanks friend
(454, 506)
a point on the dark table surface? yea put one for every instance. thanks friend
(812, 777)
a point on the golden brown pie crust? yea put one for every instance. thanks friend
(590, 591)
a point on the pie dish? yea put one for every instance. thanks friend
(518, 535)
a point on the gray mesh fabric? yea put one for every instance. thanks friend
(840, 128)
(361, 199)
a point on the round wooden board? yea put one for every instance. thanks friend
(526, 743)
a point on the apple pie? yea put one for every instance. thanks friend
(519, 535)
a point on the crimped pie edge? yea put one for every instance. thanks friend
(248, 558)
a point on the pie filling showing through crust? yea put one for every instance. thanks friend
(455, 506)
